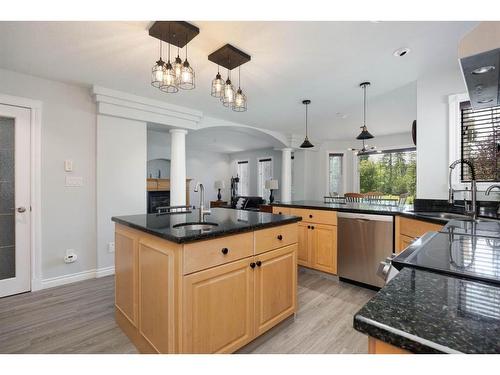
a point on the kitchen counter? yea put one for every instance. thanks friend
(427, 312)
(229, 222)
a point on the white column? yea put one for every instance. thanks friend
(286, 175)
(178, 167)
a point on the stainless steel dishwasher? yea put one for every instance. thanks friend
(363, 242)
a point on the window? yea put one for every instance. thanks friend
(391, 172)
(242, 171)
(480, 142)
(265, 172)
(335, 173)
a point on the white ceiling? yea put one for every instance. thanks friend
(322, 61)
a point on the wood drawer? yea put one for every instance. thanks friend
(281, 210)
(275, 237)
(316, 216)
(206, 254)
(416, 228)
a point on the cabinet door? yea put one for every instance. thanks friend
(404, 242)
(126, 293)
(218, 311)
(304, 246)
(324, 247)
(275, 287)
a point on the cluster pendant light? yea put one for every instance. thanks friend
(230, 58)
(165, 76)
(365, 134)
(306, 143)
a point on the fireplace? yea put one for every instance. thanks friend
(157, 199)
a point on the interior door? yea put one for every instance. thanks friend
(15, 265)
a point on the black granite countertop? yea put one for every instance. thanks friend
(228, 222)
(427, 312)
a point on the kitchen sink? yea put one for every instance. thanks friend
(446, 216)
(205, 226)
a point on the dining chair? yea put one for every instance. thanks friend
(353, 197)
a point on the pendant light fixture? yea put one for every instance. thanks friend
(158, 71)
(240, 99)
(228, 98)
(170, 77)
(306, 143)
(170, 83)
(217, 85)
(365, 134)
(230, 58)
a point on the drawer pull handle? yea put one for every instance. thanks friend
(310, 216)
(225, 250)
(252, 265)
(258, 263)
(280, 237)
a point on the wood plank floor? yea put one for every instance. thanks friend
(79, 318)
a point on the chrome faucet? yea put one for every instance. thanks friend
(203, 212)
(488, 191)
(472, 209)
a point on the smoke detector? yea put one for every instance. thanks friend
(401, 52)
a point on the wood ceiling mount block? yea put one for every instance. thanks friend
(176, 33)
(229, 57)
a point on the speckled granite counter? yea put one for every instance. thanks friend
(228, 222)
(426, 312)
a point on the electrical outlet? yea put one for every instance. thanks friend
(111, 247)
(70, 256)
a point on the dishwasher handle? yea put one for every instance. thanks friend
(368, 217)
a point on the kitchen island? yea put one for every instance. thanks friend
(180, 290)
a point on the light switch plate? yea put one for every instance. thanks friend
(68, 165)
(74, 181)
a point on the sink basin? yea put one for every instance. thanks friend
(196, 226)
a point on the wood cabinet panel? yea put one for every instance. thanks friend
(205, 254)
(218, 315)
(304, 246)
(376, 346)
(404, 242)
(324, 244)
(126, 293)
(157, 295)
(316, 216)
(275, 287)
(416, 228)
(275, 237)
(281, 210)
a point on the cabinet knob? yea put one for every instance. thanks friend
(312, 226)
(225, 250)
(280, 213)
(280, 237)
(308, 227)
(310, 216)
(252, 265)
(258, 263)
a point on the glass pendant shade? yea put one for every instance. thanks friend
(240, 101)
(186, 81)
(169, 83)
(228, 97)
(217, 86)
(365, 134)
(178, 67)
(157, 73)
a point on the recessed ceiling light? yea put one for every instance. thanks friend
(483, 69)
(401, 52)
(483, 101)
(341, 115)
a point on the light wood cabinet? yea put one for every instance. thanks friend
(275, 287)
(275, 237)
(376, 346)
(196, 298)
(218, 308)
(324, 243)
(281, 210)
(408, 230)
(317, 243)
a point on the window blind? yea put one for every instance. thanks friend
(480, 142)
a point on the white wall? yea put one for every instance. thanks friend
(252, 156)
(68, 132)
(201, 166)
(121, 177)
(432, 131)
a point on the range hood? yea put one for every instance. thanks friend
(479, 55)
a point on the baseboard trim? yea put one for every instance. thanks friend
(75, 277)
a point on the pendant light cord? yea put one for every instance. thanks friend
(364, 105)
(239, 77)
(160, 49)
(306, 118)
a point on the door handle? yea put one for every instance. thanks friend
(21, 209)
